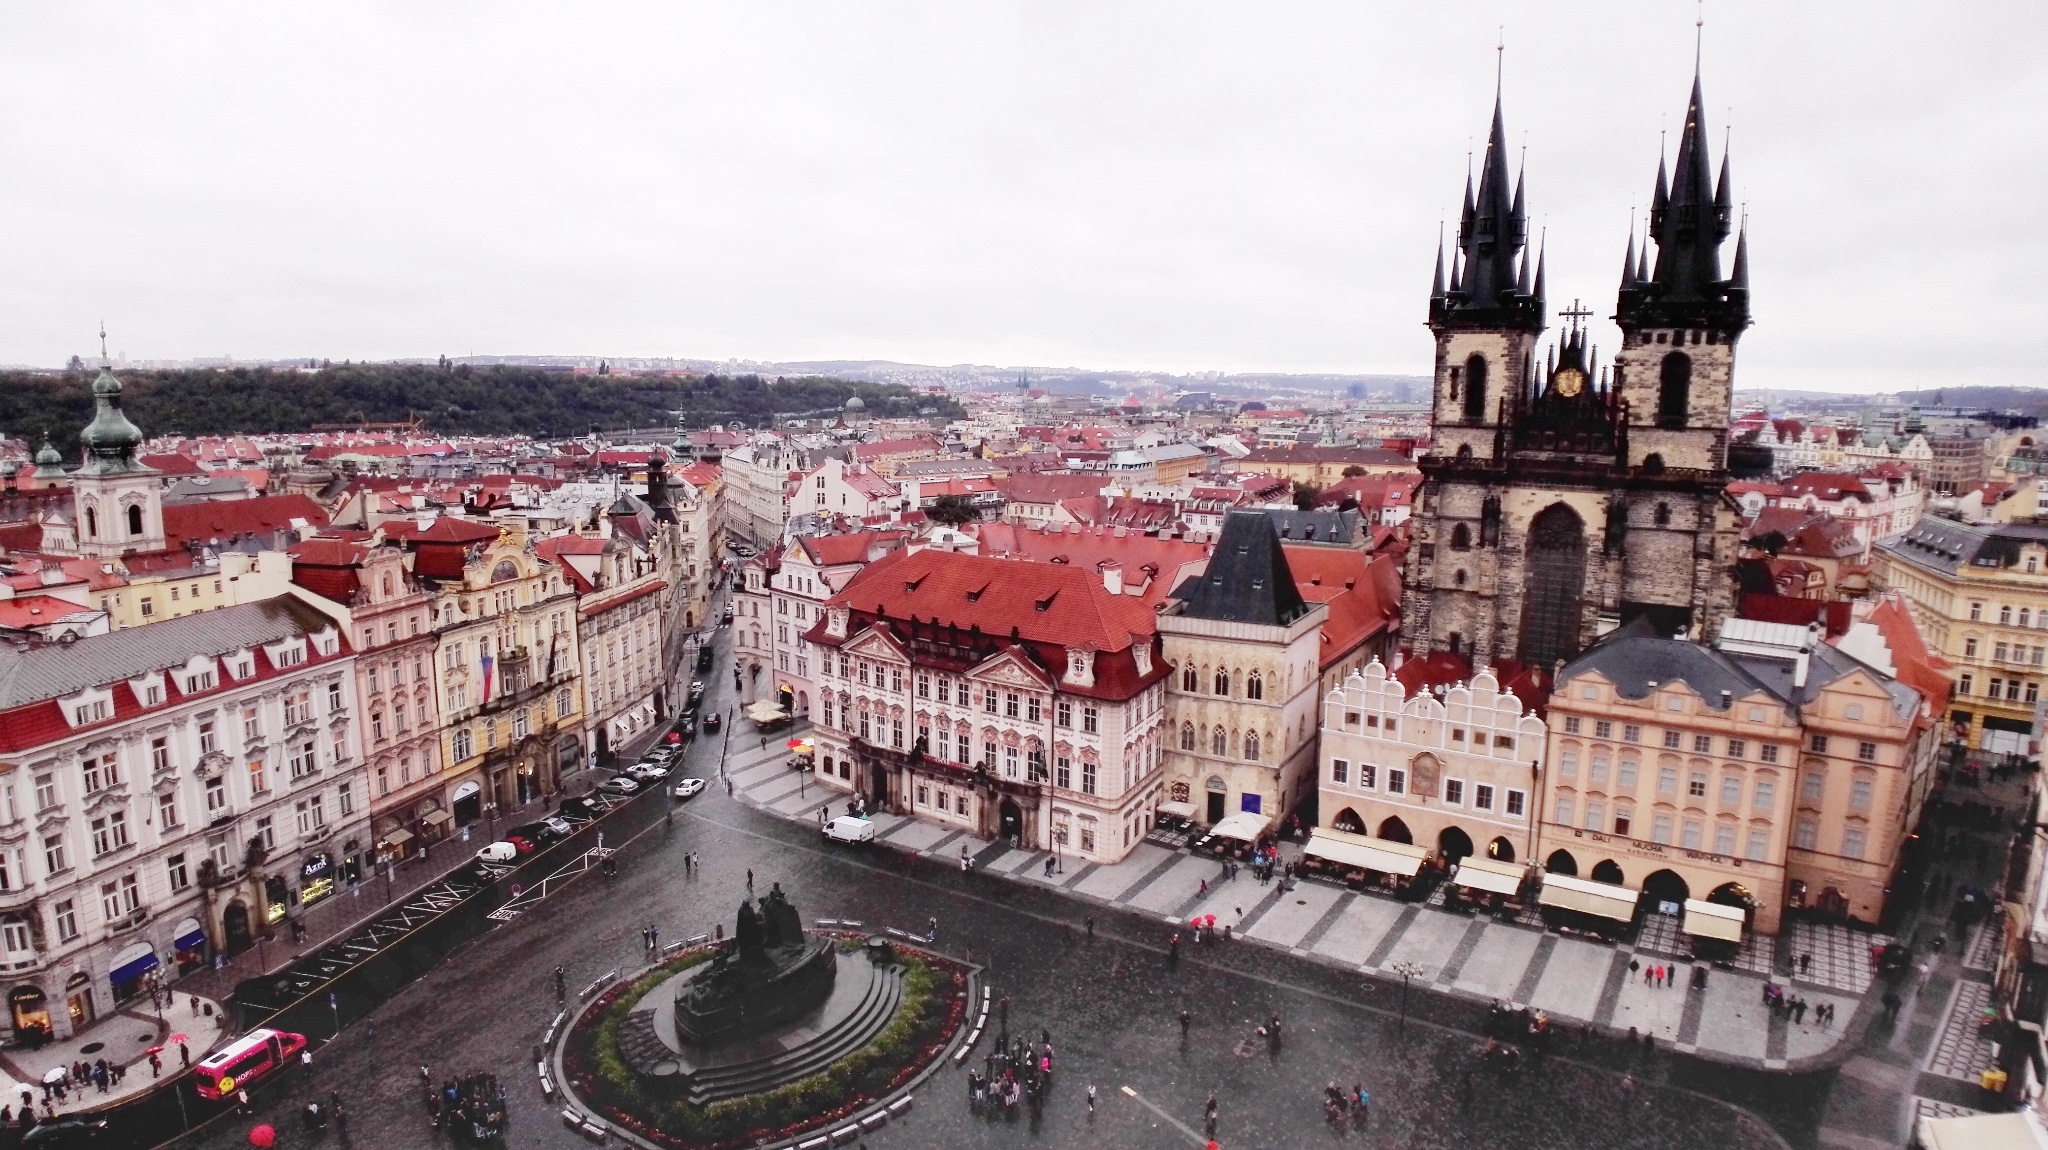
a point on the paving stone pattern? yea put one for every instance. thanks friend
(1841, 956)
(1960, 1053)
(1660, 935)
(1984, 943)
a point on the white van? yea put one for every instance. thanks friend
(848, 829)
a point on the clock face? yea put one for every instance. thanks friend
(1569, 381)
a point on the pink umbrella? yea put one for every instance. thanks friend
(263, 1138)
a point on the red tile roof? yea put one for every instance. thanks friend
(1914, 664)
(444, 529)
(172, 464)
(1363, 593)
(853, 547)
(329, 568)
(232, 519)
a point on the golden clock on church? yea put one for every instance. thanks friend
(1568, 381)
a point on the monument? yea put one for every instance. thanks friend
(772, 973)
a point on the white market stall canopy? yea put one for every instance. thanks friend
(1588, 897)
(1488, 875)
(1244, 826)
(1712, 920)
(2020, 1131)
(765, 712)
(1382, 855)
(1177, 810)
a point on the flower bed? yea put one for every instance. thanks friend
(933, 1008)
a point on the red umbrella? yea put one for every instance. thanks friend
(154, 1050)
(179, 1038)
(1208, 920)
(263, 1138)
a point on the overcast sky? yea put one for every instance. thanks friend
(1176, 186)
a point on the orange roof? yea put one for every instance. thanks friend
(1915, 665)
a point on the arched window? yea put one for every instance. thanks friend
(1254, 686)
(1461, 538)
(1187, 736)
(1653, 463)
(1475, 389)
(1219, 743)
(134, 519)
(1674, 390)
(1251, 746)
(1189, 680)
(1222, 681)
(1663, 515)
(462, 748)
(92, 523)
(1464, 453)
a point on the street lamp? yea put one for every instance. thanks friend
(1408, 971)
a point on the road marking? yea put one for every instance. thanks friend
(1183, 1127)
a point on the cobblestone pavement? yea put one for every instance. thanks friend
(1961, 1052)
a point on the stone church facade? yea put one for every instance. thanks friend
(1562, 496)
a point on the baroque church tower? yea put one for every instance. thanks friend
(117, 499)
(1560, 498)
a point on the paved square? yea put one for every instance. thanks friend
(1572, 981)
(1734, 1019)
(1359, 929)
(1496, 965)
(1841, 956)
(1805, 1041)
(1428, 942)
(1112, 881)
(918, 835)
(1010, 861)
(1164, 894)
(1297, 912)
(1656, 1009)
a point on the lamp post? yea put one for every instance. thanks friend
(1408, 971)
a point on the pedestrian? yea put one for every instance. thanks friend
(156, 1065)
(1091, 1100)
(1205, 886)
(1628, 1089)
(728, 786)
(1048, 866)
(1892, 1002)
(1650, 975)
(184, 1056)
(1799, 1010)
(931, 933)
(1173, 949)
(1805, 960)
(653, 938)
(561, 985)
(1184, 1022)
(1090, 921)
(1633, 967)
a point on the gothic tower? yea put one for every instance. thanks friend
(1560, 500)
(118, 500)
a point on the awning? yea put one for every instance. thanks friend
(765, 712)
(1177, 810)
(135, 968)
(397, 838)
(1712, 920)
(1366, 853)
(188, 936)
(1244, 826)
(2017, 1131)
(1488, 875)
(438, 817)
(1588, 897)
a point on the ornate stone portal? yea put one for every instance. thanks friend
(772, 973)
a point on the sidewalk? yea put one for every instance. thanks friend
(1567, 976)
(125, 1038)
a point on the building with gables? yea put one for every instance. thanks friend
(1013, 700)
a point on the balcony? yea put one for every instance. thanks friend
(221, 816)
(133, 920)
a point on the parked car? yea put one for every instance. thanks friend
(696, 689)
(557, 825)
(576, 808)
(498, 852)
(688, 727)
(687, 788)
(65, 1133)
(704, 657)
(619, 785)
(539, 834)
(524, 844)
(712, 722)
(664, 754)
(648, 771)
(849, 829)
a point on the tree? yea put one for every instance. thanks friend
(951, 510)
(1305, 495)
(1353, 471)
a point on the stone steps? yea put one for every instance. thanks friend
(856, 1029)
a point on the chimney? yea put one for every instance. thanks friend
(1113, 578)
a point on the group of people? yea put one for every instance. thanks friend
(1337, 1103)
(1014, 1071)
(98, 1074)
(1793, 1007)
(472, 1106)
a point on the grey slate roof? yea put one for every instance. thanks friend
(37, 673)
(1322, 525)
(1636, 661)
(1248, 580)
(1945, 545)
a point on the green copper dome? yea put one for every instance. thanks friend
(47, 455)
(111, 438)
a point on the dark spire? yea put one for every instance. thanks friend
(1436, 288)
(1739, 277)
(1542, 252)
(1628, 259)
(1490, 271)
(1690, 216)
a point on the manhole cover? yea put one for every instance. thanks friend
(1301, 902)
(145, 1038)
(92, 1048)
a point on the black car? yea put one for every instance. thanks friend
(712, 722)
(66, 1132)
(577, 808)
(704, 655)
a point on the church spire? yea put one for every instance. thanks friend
(1436, 288)
(1690, 217)
(1490, 284)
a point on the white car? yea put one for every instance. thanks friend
(618, 785)
(647, 772)
(498, 853)
(849, 829)
(688, 788)
(556, 824)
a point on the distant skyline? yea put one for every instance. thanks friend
(1149, 187)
